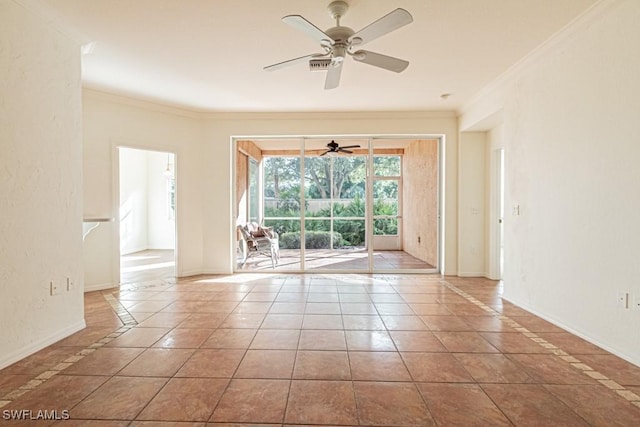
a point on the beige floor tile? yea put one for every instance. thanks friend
(391, 404)
(157, 362)
(461, 405)
(322, 365)
(313, 339)
(211, 363)
(377, 366)
(253, 401)
(321, 402)
(120, 398)
(185, 399)
(271, 364)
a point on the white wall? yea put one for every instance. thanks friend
(570, 117)
(472, 189)
(40, 183)
(111, 121)
(160, 224)
(134, 211)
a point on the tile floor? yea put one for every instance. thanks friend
(336, 260)
(146, 265)
(319, 350)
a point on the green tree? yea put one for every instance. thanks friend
(346, 181)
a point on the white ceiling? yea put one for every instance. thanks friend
(208, 55)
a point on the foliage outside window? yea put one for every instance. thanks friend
(254, 196)
(334, 199)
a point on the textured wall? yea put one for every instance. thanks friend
(570, 135)
(420, 200)
(40, 183)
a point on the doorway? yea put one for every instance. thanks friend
(372, 208)
(496, 243)
(147, 215)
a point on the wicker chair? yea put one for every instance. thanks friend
(256, 240)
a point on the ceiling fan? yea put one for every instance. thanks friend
(334, 148)
(338, 42)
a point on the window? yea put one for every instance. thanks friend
(254, 195)
(386, 190)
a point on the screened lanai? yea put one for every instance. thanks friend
(371, 205)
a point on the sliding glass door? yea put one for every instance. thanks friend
(348, 204)
(335, 231)
(283, 207)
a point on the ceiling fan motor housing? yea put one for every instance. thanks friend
(340, 36)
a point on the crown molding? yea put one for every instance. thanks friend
(222, 116)
(331, 115)
(144, 104)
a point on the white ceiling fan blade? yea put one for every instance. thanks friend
(333, 76)
(298, 22)
(293, 61)
(392, 21)
(379, 60)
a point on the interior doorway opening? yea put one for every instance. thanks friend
(500, 160)
(147, 215)
(373, 207)
(497, 215)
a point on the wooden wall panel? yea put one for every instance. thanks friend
(242, 173)
(246, 149)
(251, 149)
(420, 200)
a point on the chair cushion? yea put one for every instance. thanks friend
(262, 232)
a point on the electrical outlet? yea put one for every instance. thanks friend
(636, 302)
(54, 288)
(621, 299)
(70, 284)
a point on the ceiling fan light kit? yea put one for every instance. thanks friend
(339, 42)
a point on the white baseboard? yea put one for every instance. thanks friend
(190, 273)
(40, 344)
(99, 287)
(629, 358)
(472, 274)
(217, 272)
(134, 250)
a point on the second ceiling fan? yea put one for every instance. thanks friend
(334, 148)
(339, 42)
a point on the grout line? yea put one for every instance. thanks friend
(561, 354)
